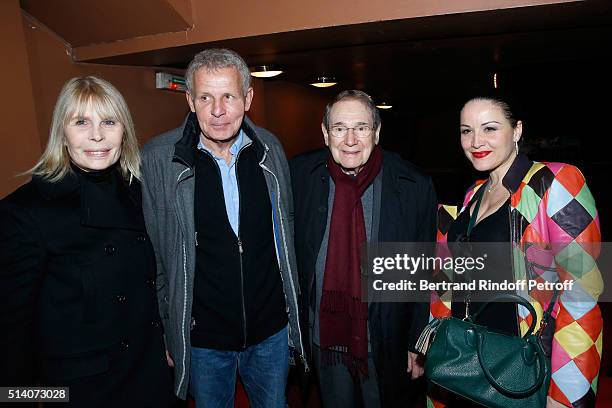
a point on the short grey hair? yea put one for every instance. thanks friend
(358, 96)
(214, 59)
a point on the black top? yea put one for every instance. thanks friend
(108, 176)
(501, 317)
(238, 295)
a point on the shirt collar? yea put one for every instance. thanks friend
(240, 141)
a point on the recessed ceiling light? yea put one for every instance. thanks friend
(384, 105)
(324, 82)
(265, 71)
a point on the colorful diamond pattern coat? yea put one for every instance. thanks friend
(555, 226)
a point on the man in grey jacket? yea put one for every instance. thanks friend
(218, 206)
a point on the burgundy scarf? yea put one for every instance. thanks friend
(343, 316)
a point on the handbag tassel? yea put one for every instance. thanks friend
(427, 336)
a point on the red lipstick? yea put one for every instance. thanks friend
(480, 155)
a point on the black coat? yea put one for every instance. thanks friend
(407, 214)
(78, 299)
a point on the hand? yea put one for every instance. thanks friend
(415, 365)
(551, 403)
(169, 359)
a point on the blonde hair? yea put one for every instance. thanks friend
(73, 100)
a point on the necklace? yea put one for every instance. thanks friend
(490, 188)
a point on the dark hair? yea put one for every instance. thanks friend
(356, 95)
(504, 102)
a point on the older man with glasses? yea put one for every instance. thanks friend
(352, 193)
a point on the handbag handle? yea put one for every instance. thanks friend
(514, 298)
(474, 215)
(514, 393)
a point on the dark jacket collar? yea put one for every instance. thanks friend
(185, 148)
(516, 173)
(320, 160)
(111, 206)
(50, 191)
(71, 182)
(393, 164)
(98, 209)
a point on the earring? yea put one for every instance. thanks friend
(516, 147)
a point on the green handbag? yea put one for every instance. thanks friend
(492, 369)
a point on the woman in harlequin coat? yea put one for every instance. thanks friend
(545, 211)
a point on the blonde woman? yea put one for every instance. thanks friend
(78, 304)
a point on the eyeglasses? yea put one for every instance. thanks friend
(360, 131)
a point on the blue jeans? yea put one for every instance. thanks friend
(263, 369)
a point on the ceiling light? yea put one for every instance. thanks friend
(324, 82)
(384, 105)
(265, 71)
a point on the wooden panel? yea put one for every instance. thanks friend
(103, 21)
(19, 141)
(247, 18)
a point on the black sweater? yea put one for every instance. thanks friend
(238, 293)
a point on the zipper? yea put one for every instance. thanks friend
(512, 266)
(238, 240)
(241, 250)
(183, 336)
(514, 240)
(244, 324)
(286, 252)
